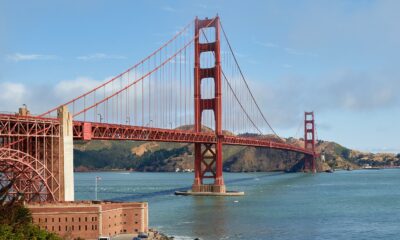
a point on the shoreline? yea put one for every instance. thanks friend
(277, 171)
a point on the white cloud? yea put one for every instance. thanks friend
(41, 98)
(99, 56)
(18, 57)
(13, 95)
(343, 91)
(12, 91)
(74, 87)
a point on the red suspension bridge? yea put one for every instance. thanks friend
(188, 90)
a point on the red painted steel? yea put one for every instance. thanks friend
(31, 150)
(32, 178)
(208, 157)
(119, 75)
(29, 154)
(104, 131)
(309, 140)
(87, 131)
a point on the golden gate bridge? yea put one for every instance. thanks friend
(190, 90)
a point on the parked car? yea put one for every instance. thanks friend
(142, 235)
(104, 238)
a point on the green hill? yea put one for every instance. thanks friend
(159, 156)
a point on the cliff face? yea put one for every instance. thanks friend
(154, 156)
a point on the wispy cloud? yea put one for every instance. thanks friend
(287, 50)
(169, 9)
(18, 57)
(267, 44)
(300, 53)
(99, 56)
(203, 6)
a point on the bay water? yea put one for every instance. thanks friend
(361, 204)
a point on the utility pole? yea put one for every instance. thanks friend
(95, 187)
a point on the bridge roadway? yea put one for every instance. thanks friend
(14, 126)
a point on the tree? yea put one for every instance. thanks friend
(16, 219)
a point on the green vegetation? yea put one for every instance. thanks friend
(158, 156)
(16, 220)
(119, 156)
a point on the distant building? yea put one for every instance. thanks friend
(90, 219)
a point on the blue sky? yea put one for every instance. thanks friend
(339, 58)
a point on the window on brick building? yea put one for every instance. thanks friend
(66, 219)
(66, 228)
(136, 230)
(39, 219)
(124, 230)
(79, 219)
(136, 222)
(52, 228)
(136, 214)
(45, 220)
(59, 219)
(85, 219)
(52, 219)
(79, 227)
(72, 227)
(59, 228)
(72, 219)
(85, 227)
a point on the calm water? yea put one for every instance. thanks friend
(361, 204)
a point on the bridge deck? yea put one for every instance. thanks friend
(11, 125)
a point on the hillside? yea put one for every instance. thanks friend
(158, 156)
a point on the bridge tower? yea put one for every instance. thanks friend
(309, 141)
(208, 156)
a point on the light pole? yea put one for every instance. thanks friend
(148, 124)
(128, 120)
(101, 117)
(95, 187)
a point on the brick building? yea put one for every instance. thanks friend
(91, 219)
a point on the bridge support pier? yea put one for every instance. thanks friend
(208, 164)
(66, 155)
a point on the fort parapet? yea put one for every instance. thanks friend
(91, 219)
